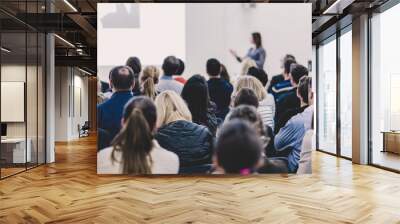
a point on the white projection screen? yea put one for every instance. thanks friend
(195, 32)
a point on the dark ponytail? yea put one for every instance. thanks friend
(135, 140)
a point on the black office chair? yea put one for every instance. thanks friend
(84, 130)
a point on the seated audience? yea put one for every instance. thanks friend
(290, 137)
(258, 74)
(195, 93)
(238, 149)
(103, 139)
(178, 74)
(302, 95)
(136, 66)
(148, 80)
(290, 103)
(167, 82)
(109, 112)
(266, 106)
(190, 141)
(285, 74)
(134, 150)
(250, 114)
(220, 90)
(224, 74)
(281, 89)
(246, 96)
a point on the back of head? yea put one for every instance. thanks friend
(171, 107)
(121, 78)
(246, 96)
(258, 74)
(170, 65)
(181, 67)
(249, 114)
(251, 83)
(297, 71)
(134, 64)
(135, 140)
(148, 80)
(289, 56)
(304, 88)
(238, 148)
(213, 67)
(287, 64)
(247, 64)
(195, 93)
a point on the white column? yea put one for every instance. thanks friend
(360, 90)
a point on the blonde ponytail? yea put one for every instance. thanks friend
(149, 79)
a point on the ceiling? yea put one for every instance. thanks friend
(75, 22)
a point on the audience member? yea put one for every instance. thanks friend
(220, 90)
(134, 150)
(281, 89)
(224, 74)
(195, 93)
(246, 96)
(109, 112)
(246, 65)
(266, 106)
(302, 95)
(258, 74)
(136, 66)
(238, 149)
(290, 101)
(285, 74)
(167, 82)
(149, 80)
(191, 142)
(179, 73)
(290, 137)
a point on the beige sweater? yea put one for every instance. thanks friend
(164, 161)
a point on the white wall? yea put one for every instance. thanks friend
(70, 83)
(212, 29)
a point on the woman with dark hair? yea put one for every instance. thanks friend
(136, 66)
(224, 74)
(195, 93)
(134, 150)
(256, 53)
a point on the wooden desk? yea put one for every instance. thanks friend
(391, 141)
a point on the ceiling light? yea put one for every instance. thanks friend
(65, 41)
(70, 5)
(5, 50)
(84, 71)
(337, 7)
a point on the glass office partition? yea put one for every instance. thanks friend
(327, 96)
(385, 89)
(346, 93)
(22, 67)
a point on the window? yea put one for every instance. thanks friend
(346, 93)
(385, 89)
(327, 96)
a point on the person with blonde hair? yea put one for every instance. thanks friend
(148, 81)
(246, 65)
(134, 150)
(266, 106)
(177, 133)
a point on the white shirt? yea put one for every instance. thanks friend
(164, 161)
(169, 83)
(266, 109)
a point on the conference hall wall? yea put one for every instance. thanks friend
(195, 32)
